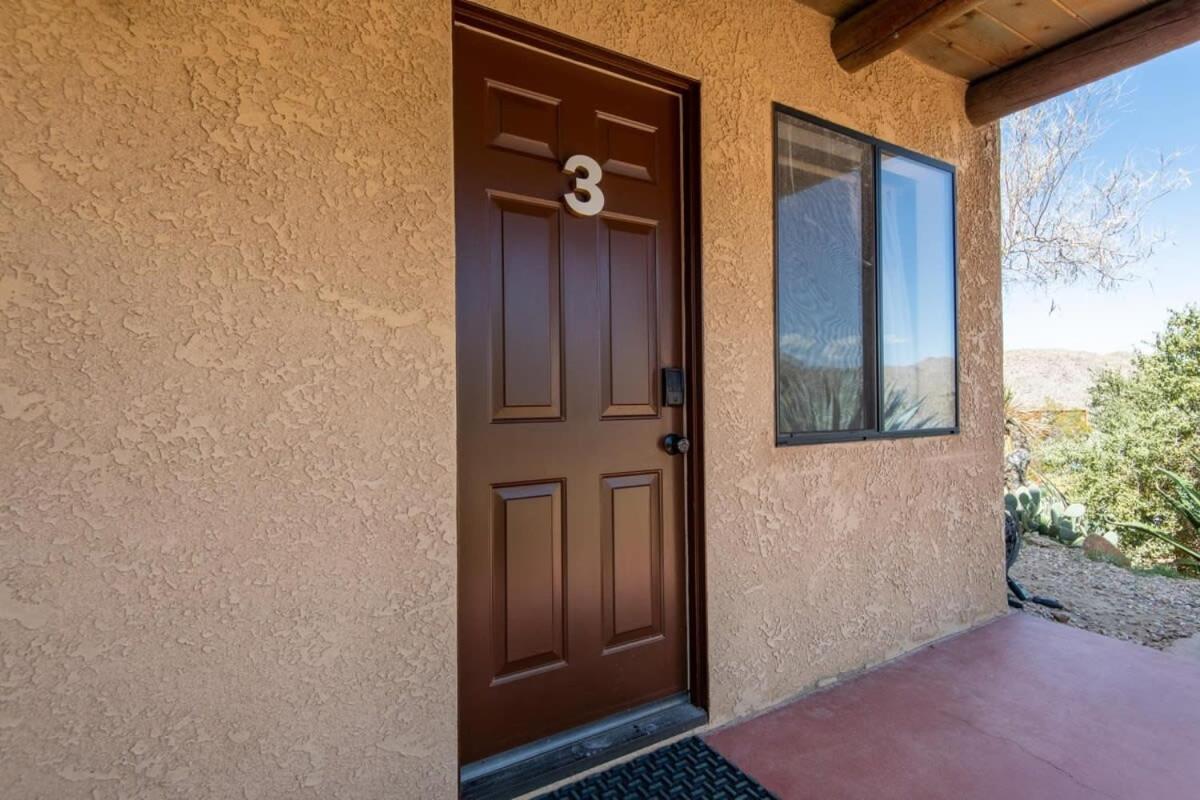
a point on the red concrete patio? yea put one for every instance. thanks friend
(1020, 708)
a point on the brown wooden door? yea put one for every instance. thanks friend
(571, 519)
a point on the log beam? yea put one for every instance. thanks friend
(1122, 44)
(887, 25)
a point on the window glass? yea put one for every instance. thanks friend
(916, 295)
(824, 234)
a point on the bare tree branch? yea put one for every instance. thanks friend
(1065, 218)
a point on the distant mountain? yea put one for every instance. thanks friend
(1040, 378)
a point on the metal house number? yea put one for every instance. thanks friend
(585, 198)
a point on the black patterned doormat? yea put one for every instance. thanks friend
(687, 769)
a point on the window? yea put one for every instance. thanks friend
(916, 294)
(824, 237)
(861, 352)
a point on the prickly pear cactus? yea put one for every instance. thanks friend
(1066, 531)
(1025, 506)
(1035, 512)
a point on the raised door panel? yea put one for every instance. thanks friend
(631, 531)
(527, 579)
(521, 120)
(627, 147)
(526, 309)
(628, 317)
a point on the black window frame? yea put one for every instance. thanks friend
(872, 310)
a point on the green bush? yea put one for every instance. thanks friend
(1184, 497)
(1143, 422)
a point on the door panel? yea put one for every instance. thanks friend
(632, 567)
(571, 537)
(629, 315)
(526, 311)
(522, 121)
(627, 147)
(528, 579)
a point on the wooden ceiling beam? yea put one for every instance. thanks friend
(887, 25)
(1119, 45)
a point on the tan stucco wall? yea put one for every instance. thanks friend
(227, 546)
(227, 562)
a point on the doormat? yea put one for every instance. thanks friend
(686, 769)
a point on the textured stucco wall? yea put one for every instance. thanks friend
(227, 542)
(226, 391)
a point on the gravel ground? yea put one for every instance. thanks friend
(1149, 609)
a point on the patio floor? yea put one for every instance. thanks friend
(1018, 708)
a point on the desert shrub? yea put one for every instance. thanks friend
(1142, 422)
(1183, 496)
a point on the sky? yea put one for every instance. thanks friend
(1162, 115)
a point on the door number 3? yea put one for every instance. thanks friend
(585, 198)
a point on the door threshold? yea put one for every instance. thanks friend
(545, 761)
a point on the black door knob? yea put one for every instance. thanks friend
(676, 445)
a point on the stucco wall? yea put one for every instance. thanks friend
(227, 542)
(227, 537)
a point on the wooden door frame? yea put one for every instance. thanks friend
(527, 33)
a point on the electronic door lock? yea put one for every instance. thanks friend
(673, 386)
(676, 445)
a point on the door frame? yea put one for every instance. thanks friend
(529, 34)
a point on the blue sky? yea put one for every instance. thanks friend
(1162, 115)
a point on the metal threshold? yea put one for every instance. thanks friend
(545, 761)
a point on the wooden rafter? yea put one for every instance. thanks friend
(1119, 45)
(887, 25)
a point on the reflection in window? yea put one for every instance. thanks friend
(824, 233)
(861, 351)
(916, 295)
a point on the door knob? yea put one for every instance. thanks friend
(676, 445)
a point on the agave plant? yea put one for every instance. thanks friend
(902, 413)
(1022, 430)
(1184, 500)
(819, 398)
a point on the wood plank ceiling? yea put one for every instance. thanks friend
(998, 33)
